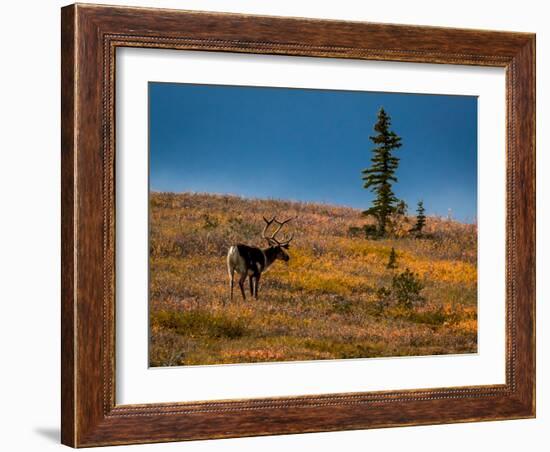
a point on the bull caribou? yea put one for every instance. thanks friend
(250, 261)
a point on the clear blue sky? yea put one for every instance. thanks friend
(311, 145)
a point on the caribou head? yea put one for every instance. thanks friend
(277, 247)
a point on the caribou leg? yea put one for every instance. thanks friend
(231, 283)
(251, 280)
(257, 283)
(241, 285)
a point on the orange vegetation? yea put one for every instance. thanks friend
(323, 304)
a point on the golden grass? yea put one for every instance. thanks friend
(323, 304)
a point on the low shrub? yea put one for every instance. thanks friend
(200, 323)
(356, 231)
(383, 299)
(406, 288)
(368, 231)
(405, 292)
(371, 231)
(341, 305)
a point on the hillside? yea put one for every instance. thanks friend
(327, 302)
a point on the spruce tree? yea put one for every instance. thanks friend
(401, 208)
(392, 263)
(420, 217)
(381, 174)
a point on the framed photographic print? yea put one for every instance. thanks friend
(281, 225)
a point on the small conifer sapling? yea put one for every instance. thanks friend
(420, 218)
(392, 262)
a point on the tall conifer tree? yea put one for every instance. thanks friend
(381, 174)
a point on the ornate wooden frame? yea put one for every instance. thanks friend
(90, 35)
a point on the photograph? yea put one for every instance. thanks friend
(304, 225)
(290, 224)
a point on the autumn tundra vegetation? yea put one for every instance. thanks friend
(354, 284)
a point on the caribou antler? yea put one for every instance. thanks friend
(272, 238)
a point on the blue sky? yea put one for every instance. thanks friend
(311, 145)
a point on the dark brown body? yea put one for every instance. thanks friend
(250, 261)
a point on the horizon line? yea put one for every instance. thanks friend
(321, 203)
